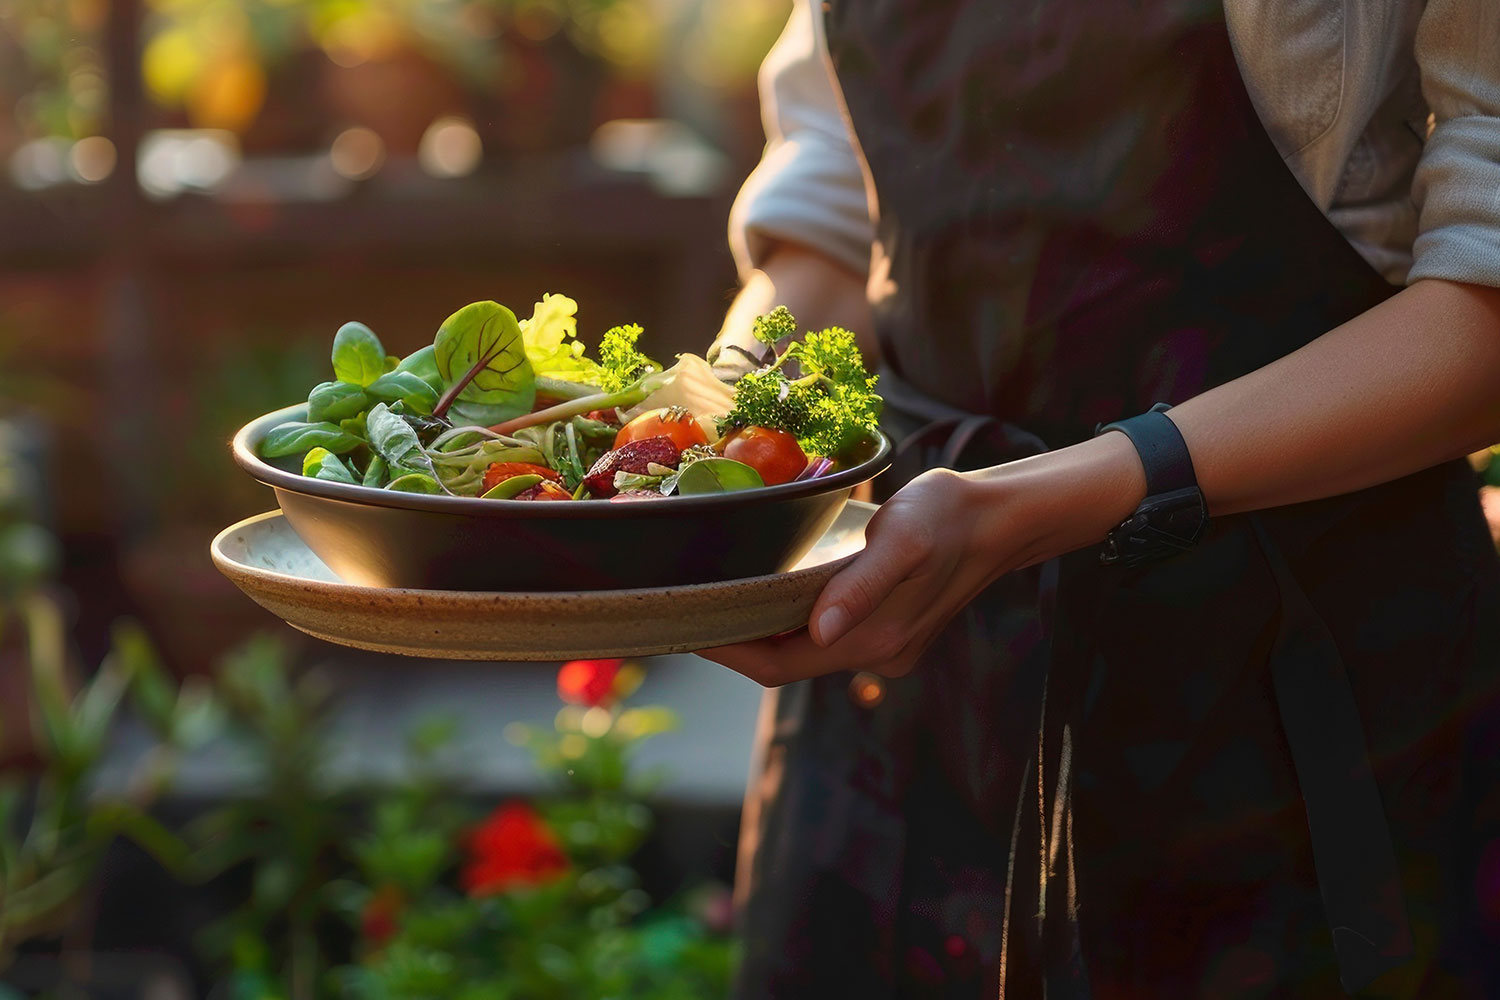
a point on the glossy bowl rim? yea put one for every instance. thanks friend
(245, 456)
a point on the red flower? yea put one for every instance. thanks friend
(513, 847)
(378, 919)
(588, 682)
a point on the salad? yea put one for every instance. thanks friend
(509, 409)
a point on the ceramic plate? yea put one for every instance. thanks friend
(266, 559)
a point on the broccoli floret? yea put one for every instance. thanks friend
(846, 415)
(775, 326)
(622, 363)
(834, 354)
(766, 398)
(829, 407)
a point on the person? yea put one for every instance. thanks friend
(1205, 707)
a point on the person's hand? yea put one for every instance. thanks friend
(928, 552)
(934, 546)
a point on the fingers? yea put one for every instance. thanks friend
(898, 544)
(920, 565)
(887, 642)
(772, 662)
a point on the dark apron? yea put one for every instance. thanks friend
(1253, 770)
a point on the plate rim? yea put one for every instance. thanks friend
(229, 566)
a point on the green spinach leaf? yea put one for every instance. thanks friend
(415, 482)
(335, 401)
(393, 440)
(358, 357)
(320, 463)
(407, 388)
(717, 475)
(298, 436)
(423, 364)
(481, 355)
(375, 474)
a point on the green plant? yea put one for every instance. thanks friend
(56, 821)
(546, 904)
(290, 828)
(56, 825)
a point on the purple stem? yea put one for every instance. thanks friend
(817, 467)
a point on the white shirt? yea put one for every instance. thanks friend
(1386, 111)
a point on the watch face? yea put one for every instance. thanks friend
(1161, 526)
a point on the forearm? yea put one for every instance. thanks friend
(819, 291)
(1409, 384)
(1405, 386)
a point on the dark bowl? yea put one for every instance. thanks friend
(379, 538)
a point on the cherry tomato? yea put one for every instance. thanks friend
(499, 472)
(774, 454)
(671, 422)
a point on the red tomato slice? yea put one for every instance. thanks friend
(671, 422)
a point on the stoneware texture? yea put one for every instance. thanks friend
(268, 561)
(387, 539)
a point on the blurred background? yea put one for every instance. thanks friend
(194, 195)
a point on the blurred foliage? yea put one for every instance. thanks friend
(534, 902)
(546, 905)
(288, 829)
(28, 552)
(23, 386)
(213, 60)
(55, 822)
(51, 61)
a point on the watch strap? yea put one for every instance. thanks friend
(1164, 454)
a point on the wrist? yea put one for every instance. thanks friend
(1060, 501)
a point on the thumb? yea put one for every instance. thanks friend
(891, 554)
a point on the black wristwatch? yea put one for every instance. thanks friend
(1174, 515)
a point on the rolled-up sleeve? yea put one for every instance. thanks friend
(1457, 184)
(808, 187)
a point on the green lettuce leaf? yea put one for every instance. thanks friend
(550, 337)
(480, 353)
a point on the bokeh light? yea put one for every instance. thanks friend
(362, 35)
(40, 163)
(450, 148)
(867, 690)
(672, 155)
(596, 722)
(175, 160)
(92, 159)
(357, 153)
